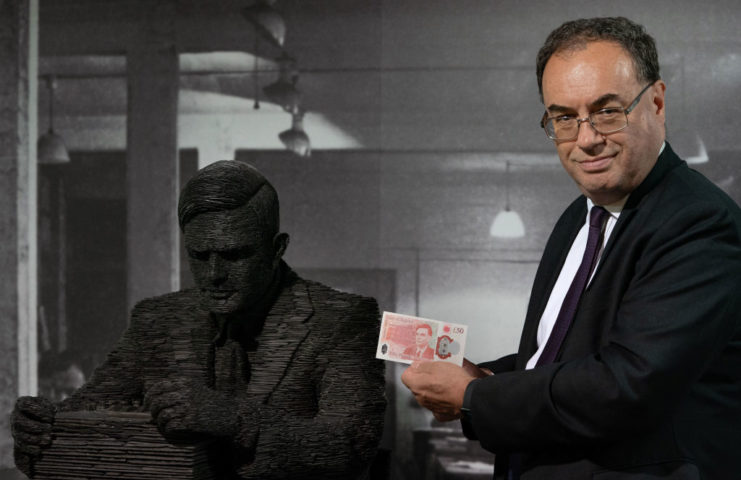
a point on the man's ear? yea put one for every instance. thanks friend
(658, 98)
(280, 243)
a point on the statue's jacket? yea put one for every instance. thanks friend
(314, 403)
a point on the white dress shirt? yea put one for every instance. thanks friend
(570, 266)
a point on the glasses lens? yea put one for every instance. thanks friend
(609, 120)
(562, 128)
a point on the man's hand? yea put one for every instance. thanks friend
(31, 423)
(474, 370)
(439, 387)
(186, 411)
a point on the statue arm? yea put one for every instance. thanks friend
(116, 383)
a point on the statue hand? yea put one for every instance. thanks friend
(186, 411)
(31, 423)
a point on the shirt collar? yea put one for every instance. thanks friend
(613, 209)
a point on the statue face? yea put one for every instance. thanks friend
(232, 260)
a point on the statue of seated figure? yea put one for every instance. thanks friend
(276, 372)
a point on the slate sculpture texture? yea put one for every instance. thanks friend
(261, 373)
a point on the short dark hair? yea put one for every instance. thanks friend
(227, 185)
(424, 325)
(629, 35)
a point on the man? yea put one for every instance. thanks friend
(638, 375)
(421, 348)
(278, 370)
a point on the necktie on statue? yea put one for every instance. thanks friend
(571, 301)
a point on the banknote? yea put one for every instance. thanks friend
(405, 338)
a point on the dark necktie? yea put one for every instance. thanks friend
(568, 309)
(571, 301)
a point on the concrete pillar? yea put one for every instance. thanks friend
(18, 72)
(152, 160)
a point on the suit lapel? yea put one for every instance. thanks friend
(667, 161)
(285, 328)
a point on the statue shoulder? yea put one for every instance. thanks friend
(182, 302)
(340, 312)
(324, 296)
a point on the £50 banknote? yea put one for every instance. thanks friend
(405, 338)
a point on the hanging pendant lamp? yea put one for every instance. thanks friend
(283, 91)
(268, 21)
(507, 223)
(295, 139)
(50, 147)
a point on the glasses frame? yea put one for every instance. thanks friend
(544, 121)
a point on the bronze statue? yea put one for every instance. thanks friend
(278, 371)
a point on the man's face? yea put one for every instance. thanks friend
(422, 337)
(232, 260)
(578, 82)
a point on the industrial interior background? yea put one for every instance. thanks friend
(423, 121)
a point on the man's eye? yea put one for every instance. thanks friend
(609, 112)
(196, 255)
(562, 119)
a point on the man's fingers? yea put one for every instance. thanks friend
(445, 416)
(474, 370)
(438, 387)
(411, 376)
(442, 412)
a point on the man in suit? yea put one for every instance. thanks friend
(636, 373)
(421, 348)
(278, 371)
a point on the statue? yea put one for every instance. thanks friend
(277, 371)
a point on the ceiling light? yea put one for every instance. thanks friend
(269, 23)
(507, 223)
(283, 91)
(295, 139)
(50, 147)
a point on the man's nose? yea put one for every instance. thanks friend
(587, 136)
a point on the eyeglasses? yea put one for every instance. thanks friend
(604, 121)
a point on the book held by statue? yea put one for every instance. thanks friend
(123, 445)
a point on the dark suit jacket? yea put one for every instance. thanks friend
(316, 393)
(648, 379)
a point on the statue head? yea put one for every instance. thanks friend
(229, 215)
